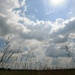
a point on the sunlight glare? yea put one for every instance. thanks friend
(57, 2)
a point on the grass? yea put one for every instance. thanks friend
(30, 72)
(38, 72)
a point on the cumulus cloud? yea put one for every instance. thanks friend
(7, 27)
(53, 51)
(67, 28)
(60, 39)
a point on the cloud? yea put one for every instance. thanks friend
(9, 4)
(53, 51)
(60, 39)
(67, 28)
(22, 2)
(7, 27)
(50, 12)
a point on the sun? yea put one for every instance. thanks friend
(57, 2)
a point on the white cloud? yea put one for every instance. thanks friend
(50, 12)
(22, 3)
(9, 4)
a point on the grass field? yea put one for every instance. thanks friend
(38, 72)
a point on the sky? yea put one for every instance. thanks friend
(41, 27)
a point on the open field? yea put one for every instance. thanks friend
(38, 72)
